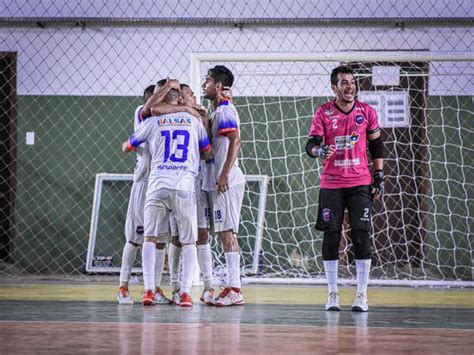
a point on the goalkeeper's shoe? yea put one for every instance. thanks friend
(208, 297)
(123, 296)
(229, 296)
(333, 302)
(160, 297)
(360, 303)
(148, 298)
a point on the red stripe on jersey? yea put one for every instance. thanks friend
(224, 131)
(207, 147)
(131, 147)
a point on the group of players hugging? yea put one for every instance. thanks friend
(187, 183)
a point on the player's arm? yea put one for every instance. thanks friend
(315, 150)
(315, 147)
(138, 137)
(165, 108)
(206, 154)
(158, 97)
(205, 147)
(376, 150)
(232, 154)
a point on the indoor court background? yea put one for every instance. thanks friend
(71, 76)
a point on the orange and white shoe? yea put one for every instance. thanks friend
(160, 297)
(229, 296)
(208, 297)
(185, 299)
(123, 296)
(148, 298)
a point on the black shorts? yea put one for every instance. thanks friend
(333, 202)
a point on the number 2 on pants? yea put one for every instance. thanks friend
(180, 152)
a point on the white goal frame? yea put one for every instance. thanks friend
(262, 180)
(196, 78)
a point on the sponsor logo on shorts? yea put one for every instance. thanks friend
(359, 119)
(140, 230)
(326, 214)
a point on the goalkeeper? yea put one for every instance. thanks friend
(340, 133)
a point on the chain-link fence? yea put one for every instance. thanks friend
(71, 77)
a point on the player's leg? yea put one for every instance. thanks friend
(330, 217)
(226, 212)
(174, 256)
(155, 213)
(184, 209)
(204, 254)
(359, 204)
(160, 253)
(134, 239)
(174, 260)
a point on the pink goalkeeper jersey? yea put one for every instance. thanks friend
(349, 165)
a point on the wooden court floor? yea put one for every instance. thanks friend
(58, 318)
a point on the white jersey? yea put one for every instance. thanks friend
(174, 143)
(224, 119)
(142, 162)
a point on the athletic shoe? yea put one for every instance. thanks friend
(175, 298)
(333, 302)
(229, 296)
(208, 297)
(185, 299)
(360, 303)
(148, 298)
(123, 296)
(160, 297)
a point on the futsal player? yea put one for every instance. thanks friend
(204, 254)
(224, 180)
(175, 142)
(134, 219)
(340, 132)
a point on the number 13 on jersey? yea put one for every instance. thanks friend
(176, 145)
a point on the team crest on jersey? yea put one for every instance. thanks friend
(354, 138)
(326, 214)
(140, 230)
(328, 112)
(359, 119)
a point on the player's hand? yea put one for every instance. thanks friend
(192, 111)
(125, 147)
(201, 110)
(378, 183)
(223, 183)
(325, 152)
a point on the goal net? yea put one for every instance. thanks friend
(422, 225)
(111, 196)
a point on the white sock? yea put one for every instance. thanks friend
(189, 264)
(148, 265)
(330, 267)
(128, 257)
(204, 257)
(362, 271)
(159, 264)
(232, 260)
(174, 255)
